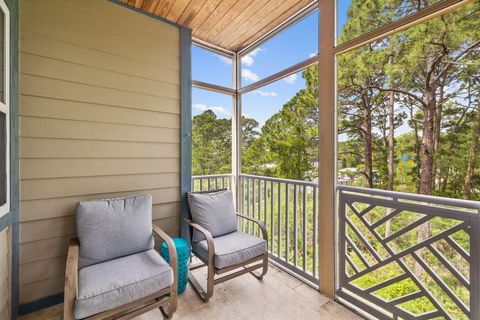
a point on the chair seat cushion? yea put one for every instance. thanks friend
(231, 249)
(107, 285)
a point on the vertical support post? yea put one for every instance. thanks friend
(341, 276)
(305, 223)
(287, 223)
(326, 130)
(186, 125)
(295, 224)
(474, 265)
(314, 235)
(279, 226)
(272, 221)
(13, 6)
(236, 132)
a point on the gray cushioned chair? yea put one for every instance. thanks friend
(113, 270)
(218, 243)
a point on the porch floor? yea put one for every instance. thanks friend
(279, 296)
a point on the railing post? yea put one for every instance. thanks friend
(287, 222)
(340, 271)
(475, 267)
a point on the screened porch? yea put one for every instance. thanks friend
(346, 132)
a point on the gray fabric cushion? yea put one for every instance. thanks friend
(107, 285)
(214, 211)
(232, 248)
(113, 228)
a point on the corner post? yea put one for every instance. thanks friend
(186, 126)
(13, 6)
(326, 147)
(237, 133)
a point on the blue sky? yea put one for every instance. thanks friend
(291, 46)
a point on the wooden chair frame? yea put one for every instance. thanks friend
(246, 266)
(165, 299)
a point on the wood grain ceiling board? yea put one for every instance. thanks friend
(227, 19)
(204, 13)
(273, 19)
(246, 25)
(229, 24)
(190, 12)
(149, 5)
(247, 17)
(163, 8)
(216, 15)
(177, 10)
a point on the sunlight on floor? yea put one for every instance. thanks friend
(279, 296)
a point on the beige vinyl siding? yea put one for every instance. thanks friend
(99, 117)
(5, 274)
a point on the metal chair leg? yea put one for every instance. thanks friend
(204, 295)
(166, 314)
(259, 276)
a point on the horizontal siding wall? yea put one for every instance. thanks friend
(5, 274)
(99, 117)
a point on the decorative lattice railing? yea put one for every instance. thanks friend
(405, 256)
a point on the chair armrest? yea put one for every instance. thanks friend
(258, 222)
(172, 254)
(208, 237)
(71, 280)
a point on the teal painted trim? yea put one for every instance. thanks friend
(186, 126)
(146, 13)
(13, 5)
(40, 304)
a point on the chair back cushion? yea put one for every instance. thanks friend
(214, 211)
(112, 228)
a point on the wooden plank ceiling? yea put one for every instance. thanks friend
(229, 24)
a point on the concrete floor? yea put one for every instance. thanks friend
(279, 296)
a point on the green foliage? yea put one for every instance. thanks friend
(287, 143)
(431, 73)
(432, 66)
(211, 144)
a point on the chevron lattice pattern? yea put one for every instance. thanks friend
(408, 256)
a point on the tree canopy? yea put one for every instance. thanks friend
(408, 110)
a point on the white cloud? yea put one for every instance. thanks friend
(266, 93)
(291, 78)
(313, 54)
(225, 60)
(248, 59)
(218, 110)
(249, 75)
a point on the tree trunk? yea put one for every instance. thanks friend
(391, 142)
(367, 150)
(427, 145)
(444, 177)
(472, 157)
(427, 151)
(391, 148)
(437, 132)
(417, 150)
